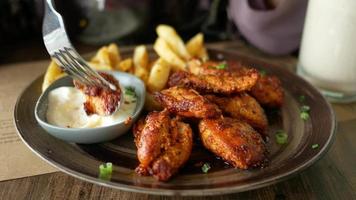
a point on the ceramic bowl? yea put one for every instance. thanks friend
(91, 135)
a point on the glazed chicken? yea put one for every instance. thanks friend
(197, 67)
(163, 145)
(244, 107)
(267, 89)
(100, 100)
(233, 140)
(215, 83)
(187, 103)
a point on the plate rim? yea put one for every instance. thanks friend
(195, 192)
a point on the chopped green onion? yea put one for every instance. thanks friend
(315, 146)
(130, 91)
(302, 98)
(105, 171)
(281, 137)
(263, 72)
(304, 115)
(205, 168)
(221, 66)
(304, 108)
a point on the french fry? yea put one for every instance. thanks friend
(140, 57)
(163, 50)
(173, 39)
(158, 76)
(53, 73)
(195, 44)
(99, 66)
(142, 73)
(102, 57)
(151, 104)
(203, 54)
(114, 54)
(125, 65)
(141, 60)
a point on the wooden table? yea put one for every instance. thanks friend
(333, 177)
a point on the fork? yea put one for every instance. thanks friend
(60, 48)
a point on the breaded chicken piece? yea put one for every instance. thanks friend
(198, 67)
(234, 141)
(215, 83)
(267, 90)
(163, 145)
(187, 103)
(100, 100)
(244, 107)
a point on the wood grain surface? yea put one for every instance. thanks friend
(332, 177)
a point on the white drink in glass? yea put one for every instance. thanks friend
(328, 51)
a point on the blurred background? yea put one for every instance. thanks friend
(92, 23)
(273, 26)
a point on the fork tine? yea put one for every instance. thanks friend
(69, 69)
(90, 77)
(70, 64)
(59, 46)
(87, 69)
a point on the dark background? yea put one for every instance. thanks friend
(89, 21)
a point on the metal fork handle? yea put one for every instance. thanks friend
(58, 44)
(53, 29)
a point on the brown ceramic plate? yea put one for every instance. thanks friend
(82, 161)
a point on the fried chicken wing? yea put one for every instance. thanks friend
(267, 89)
(163, 145)
(198, 67)
(187, 103)
(215, 83)
(244, 107)
(234, 141)
(100, 100)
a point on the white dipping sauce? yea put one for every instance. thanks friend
(66, 109)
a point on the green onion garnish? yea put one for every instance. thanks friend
(281, 137)
(105, 171)
(304, 115)
(130, 91)
(221, 66)
(304, 112)
(263, 72)
(315, 146)
(205, 168)
(304, 108)
(302, 98)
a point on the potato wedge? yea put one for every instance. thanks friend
(174, 40)
(142, 73)
(125, 65)
(158, 77)
(141, 60)
(53, 73)
(99, 66)
(140, 56)
(163, 50)
(195, 44)
(114, 54)
(102, 57)
(203, 54)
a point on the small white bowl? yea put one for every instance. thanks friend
(91, 135)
